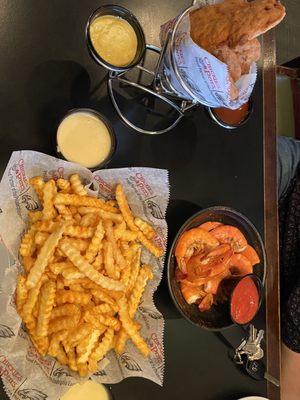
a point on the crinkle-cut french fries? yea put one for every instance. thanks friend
(35, 216)
(27, 246)
(38, 185)
(28, 262)
(63, 185)
(146, 228)
(89, 219)
(78, 201)
(44, 256)
(125, 209)
(101, 349)
(85, 347)
(83, 279)
(77, 186)
(130, 328)
(144, 275)
(49, 191)
(64, 310)
(99, 213)
(21, 292)
(47, 298)
(95, 243)
(56, 339)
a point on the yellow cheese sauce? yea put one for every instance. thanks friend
(83, 138)
(87, 391)
(114, 39)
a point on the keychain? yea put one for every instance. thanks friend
(248, 356)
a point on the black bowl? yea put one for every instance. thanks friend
(109, 127)
(117, 11)
(218, 317)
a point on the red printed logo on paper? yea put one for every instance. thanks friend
(103, 185)
(34, 357)
(207, 68)
(141, 185)
(9, 373)
(156, 348)
(19, 170)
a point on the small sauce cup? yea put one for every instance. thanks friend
(245, 299)
(125, 14)
(231, 119)
(113, 140)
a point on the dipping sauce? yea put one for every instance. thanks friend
(232, 117)
(87, 391)
(83, 138)
(244, 301)
(114, 39)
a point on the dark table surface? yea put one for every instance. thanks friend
(288, 33)
(45, 70)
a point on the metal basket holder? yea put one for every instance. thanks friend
(160, 87)
(156, 89)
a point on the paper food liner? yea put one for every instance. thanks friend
(27, 375)
(206, 78)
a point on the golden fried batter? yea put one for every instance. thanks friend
(228, 30)
(233, 22)
(229, 57)
(247, 53)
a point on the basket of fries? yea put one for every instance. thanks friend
(88, 252)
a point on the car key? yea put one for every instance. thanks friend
(257, 370)
(259, 354)
(252, 347)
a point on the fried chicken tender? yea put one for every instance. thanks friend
(229, 57)
(247, 53)
(228, 30)
(233, 22)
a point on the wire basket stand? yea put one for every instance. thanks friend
(160, 87)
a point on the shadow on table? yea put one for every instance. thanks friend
(54, 87)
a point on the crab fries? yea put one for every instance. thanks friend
(83, 275)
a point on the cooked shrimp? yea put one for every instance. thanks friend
(218, 251)
(221, 264)
(192, 242)
(231, 235)
(251, 254)
(216, 260)
(179, 275)
(210, 225)
(213, 284)
(197, 259)
(206, 303)
(194, 277)
(240, 265)
(191, 294)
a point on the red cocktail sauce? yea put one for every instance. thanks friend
(244, 301)
(232, 117)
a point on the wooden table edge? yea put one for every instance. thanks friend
(271, 214)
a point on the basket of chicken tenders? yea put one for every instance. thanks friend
(211, 50)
